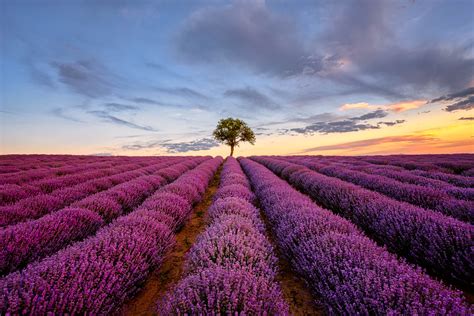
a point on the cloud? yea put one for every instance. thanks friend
(334, 127)
(175, 147)
(466, 118)
(61, 113)
(401, 106)
(455, 96)
(164, 70)
(86, 77)
(102, 154)
(252, 97)
(195, 145)
(183, 92)
(411, 139)
(117, 107)
(364, 43)
(352, 124)
(461, 100)
(247, 33)
(359, 105)
(106, 117)
(145, 101)
(396, 122)
(370, 115)
(40, 76)
(406, 105)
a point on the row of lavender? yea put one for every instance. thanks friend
(66, 168)
(17, 163)
(12, 193)
(422, 168)
(36, 239)
(347, 270)
(231, 268)
(462, 164)
(97, 275)
(405, 176)
(39, 205)
(441, 244)
(432, 198)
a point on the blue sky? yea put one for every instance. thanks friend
(154, 77)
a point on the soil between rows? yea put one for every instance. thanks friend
(166, 276)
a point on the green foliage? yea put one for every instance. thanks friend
(232, 132)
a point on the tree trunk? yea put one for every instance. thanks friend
(231, 150)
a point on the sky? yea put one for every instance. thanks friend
(355, 77)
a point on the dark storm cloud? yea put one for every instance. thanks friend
(461, 100)
(244, 32)
(86, 77)
(182, 92)
(106, 117)
(252, 97)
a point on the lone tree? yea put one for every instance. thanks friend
(232, 132)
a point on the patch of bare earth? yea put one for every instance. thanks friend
(295, 291)
(165, 277)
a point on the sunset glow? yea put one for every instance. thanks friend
(86, 77)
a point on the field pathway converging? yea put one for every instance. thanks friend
(161, 280)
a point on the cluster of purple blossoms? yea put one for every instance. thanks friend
(441, 244)
(349, 272)
(231, 268)
(98, 274)
(426, 197)
(36, 239)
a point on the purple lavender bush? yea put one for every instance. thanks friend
(351, 273)
(439, 243)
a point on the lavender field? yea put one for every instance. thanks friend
(274, 235)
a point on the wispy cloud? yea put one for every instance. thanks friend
(396, 122)
(106, 117)
(462, 100)
(411, 139)
(87, 77)
(174, 147)
(466, 118)
(195, 145)
(394, 107)
(252, 98)
(352, 124)
(182, 92)
(118, 107)
(62, 113)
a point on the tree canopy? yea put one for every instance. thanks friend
(232, 132)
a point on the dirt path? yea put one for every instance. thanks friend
(161, 280)
(295, 292)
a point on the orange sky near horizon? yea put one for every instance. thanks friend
(437, 132)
